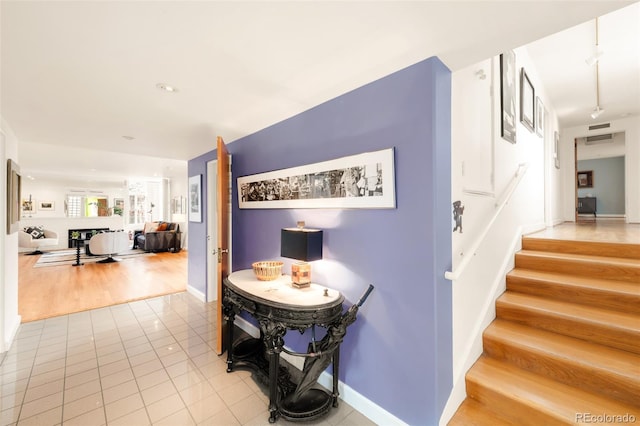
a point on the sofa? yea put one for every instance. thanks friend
(158, 236)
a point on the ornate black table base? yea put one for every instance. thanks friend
(312, 404)
(297, 402)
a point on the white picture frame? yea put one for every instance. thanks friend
(364, 180)
(46, 206)
(195, 198)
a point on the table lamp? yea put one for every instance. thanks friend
(304, 245)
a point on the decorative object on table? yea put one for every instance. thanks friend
(358, 181)
(267, 270)
(14, 184)
(508, 96)
(304, 245)
(539, 117)
(195, 198)
(527, 102)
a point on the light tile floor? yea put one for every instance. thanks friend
(149, 362)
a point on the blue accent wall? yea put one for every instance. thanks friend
(398, 352)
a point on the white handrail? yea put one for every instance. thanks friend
(466, 258)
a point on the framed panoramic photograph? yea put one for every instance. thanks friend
(46, 206)
(359, 181)
(527, 102)
(508, 96)
(195, 198)
(539, 117)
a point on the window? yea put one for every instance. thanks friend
(74, 205)
(146, 201)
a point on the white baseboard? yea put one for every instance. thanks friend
(197, 294)
(369, 409)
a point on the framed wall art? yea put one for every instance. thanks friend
(46, 206)
(527, 102)
(556, 149)
(508, 96)
(28, 206)
(14, 187)
(540, 115)
(585, 179)
(195, 198)
(359, 181)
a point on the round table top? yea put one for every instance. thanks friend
(281, 292)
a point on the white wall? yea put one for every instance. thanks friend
(9, 318)
(631, 127)
(535, 203)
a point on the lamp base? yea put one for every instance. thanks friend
(301, 275)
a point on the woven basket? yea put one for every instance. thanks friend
(267, 270)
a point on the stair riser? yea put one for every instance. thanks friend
(570, 326)
(564, 370)
(575, 294)
(585, 268)
(515, 410)
(592, 248)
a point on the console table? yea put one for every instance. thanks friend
(277, 306)
(587, 205)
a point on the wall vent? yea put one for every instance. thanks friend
(600, 126)
(593, 140)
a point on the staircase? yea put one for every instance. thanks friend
(565, 345)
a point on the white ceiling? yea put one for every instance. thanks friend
(77, 76)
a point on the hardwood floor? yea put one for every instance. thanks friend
(58, 290)
(603, 230)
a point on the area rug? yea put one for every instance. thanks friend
(68, 257)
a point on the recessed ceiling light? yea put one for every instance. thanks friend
(166, 87)
(129, 138)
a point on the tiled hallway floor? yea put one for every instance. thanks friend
(140, 363)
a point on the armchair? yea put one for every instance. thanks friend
(37, 237)
(109, 243)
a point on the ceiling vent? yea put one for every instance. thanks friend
(600, 126)
(594, 140)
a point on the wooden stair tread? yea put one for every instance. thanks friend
(594, 367)
(616, 329)
(472, 413)
(619, 362)
(542, 396)
(600, 292)
(613, 268)
(621, 287)
(599, 248)
(590, 314)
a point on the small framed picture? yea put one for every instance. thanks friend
(46, 206)
(556, 149)
(585, 179)
(539, 117)
(527, 102)
(195, 198)
(28, 206)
